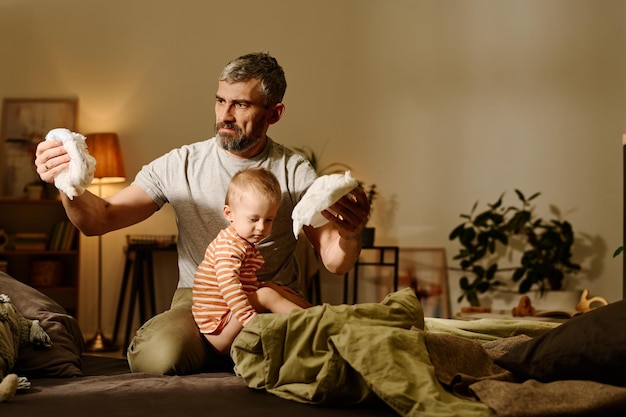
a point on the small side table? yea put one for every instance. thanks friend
(139, 279)
(381, 260)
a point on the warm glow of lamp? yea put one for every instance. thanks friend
(105, 148)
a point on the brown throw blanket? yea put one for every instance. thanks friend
(467, 369)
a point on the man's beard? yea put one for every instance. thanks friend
(237, 143)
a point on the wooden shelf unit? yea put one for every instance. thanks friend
(40, 216)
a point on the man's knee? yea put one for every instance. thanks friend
(157, 355)
(169, 343)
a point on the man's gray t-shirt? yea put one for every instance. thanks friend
(194, 179)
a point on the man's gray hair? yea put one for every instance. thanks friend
(260, 66)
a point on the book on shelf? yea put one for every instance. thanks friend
(62, 236)
(30, 241)
(53, 242)
(68, 236)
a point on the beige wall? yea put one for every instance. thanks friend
(440, 103)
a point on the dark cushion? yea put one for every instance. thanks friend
(591, 346)
(63, 359)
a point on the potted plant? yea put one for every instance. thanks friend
(486, 237)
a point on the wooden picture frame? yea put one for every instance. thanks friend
(25, 123)
(425, 270)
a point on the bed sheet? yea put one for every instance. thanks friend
(109, 389)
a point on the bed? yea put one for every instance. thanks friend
(374, 359)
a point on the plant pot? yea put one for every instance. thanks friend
(367, 238)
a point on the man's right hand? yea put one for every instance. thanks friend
(50, 159)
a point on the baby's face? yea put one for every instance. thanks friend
(252, 217)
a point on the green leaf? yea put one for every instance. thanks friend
(464, 283)
(479, 271)
(483, 218)
(497, 204)
(482, 286)
(618, 251)
(518, 274)
(467, 236)
(525, 285)
(518, 221)
(531, 198)
(456, 232)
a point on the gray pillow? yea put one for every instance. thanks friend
(591, 346)
(63, 359)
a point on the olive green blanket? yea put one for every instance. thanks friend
(343, 354)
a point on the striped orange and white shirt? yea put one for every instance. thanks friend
(222, 280)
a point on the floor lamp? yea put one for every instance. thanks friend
(105, 148)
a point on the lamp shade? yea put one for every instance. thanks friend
(105, 148)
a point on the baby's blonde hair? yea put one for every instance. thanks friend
(258, 181)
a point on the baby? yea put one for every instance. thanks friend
(226, 292)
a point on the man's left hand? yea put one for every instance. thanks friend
(349, 214)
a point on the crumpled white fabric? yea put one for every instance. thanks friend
(323, 193)
(74, 180)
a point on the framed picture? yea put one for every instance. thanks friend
(25, 123)
(425, 270)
